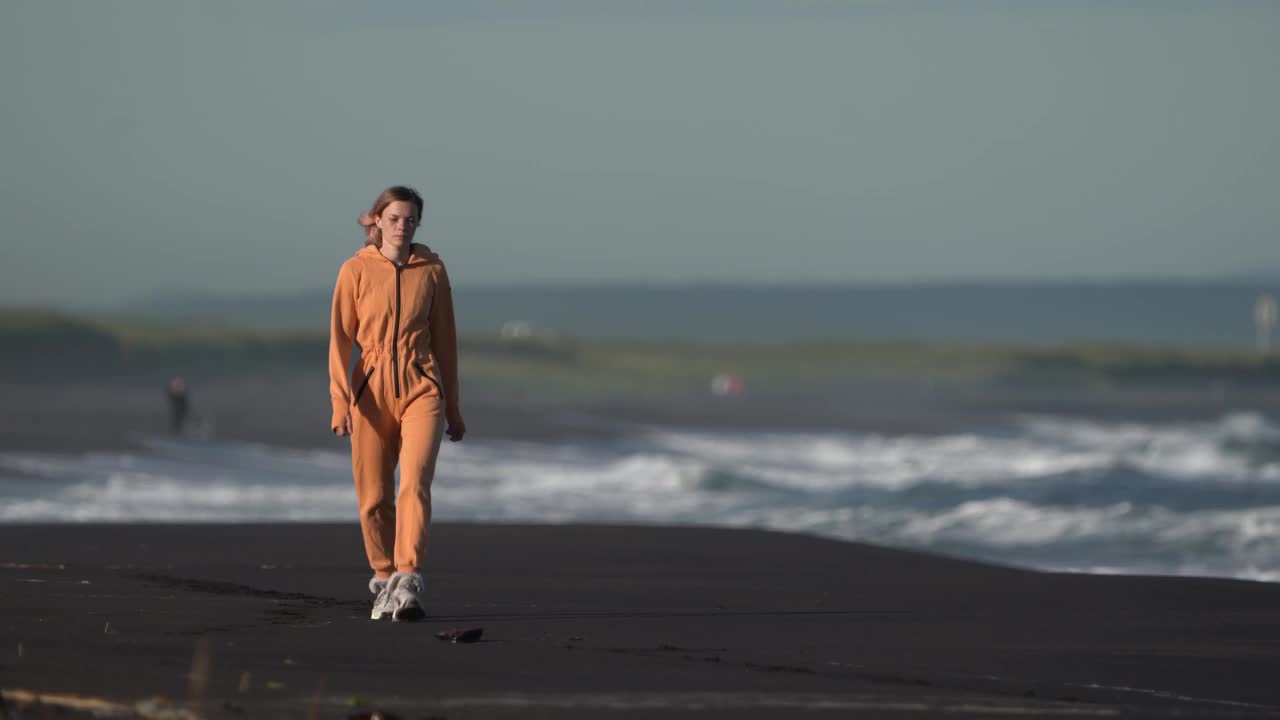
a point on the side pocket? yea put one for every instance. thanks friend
(360, 391)
(435, 382)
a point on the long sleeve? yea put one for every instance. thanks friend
(342, 332)
(444, 340)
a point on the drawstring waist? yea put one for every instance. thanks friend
(376, 354)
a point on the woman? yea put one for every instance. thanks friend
(393, 300)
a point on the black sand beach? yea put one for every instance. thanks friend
(271, 621)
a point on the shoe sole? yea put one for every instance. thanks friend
(408, 614)
(379, 616)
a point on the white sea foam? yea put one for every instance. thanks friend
(1189, 451)
(833, 462)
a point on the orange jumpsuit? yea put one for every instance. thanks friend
(399, 394)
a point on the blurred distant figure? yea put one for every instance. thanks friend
(177, 393)
(1264, 321)
(726, 384)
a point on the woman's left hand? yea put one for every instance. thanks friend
(455, 428)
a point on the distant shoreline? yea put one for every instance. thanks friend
(71, 383)
(291, 409)
(42, 339)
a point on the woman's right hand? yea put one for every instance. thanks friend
(344, 430)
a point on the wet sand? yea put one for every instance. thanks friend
(582, 621)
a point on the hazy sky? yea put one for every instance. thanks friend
(222, 146)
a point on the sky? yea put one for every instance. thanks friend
(230, 146)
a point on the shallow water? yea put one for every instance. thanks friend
(1046, 492)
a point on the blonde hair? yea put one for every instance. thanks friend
(369, 220)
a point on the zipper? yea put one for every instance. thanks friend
(395, 335)
(433, 380)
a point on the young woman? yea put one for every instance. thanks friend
(393, 300)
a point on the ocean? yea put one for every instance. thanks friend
(1039, 492)
(1200, 313)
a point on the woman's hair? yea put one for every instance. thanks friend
(368, 221)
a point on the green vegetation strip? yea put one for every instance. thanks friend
(43, 337)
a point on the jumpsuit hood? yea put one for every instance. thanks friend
(417, 253)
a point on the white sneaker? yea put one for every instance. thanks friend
(381, 589)
(405, 602)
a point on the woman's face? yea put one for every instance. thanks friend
(398, 222)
